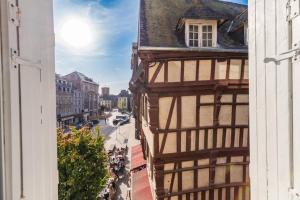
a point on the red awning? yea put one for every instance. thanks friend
(137, 158)
(140, 186)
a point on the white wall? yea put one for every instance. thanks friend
(272, 132)
(28, 87)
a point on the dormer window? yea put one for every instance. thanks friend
(201, 33)
(207, 36)
(194, 36)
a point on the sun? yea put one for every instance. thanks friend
(77, 32)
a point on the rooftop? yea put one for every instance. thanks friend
(159, 21)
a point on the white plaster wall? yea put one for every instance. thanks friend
(204, 70)
(188, 112)
(174, 71)
(190, 70)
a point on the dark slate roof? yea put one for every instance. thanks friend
(202, 11)
(238, 21)
(159, 20)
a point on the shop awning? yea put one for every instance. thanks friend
(140, 186)
(137, 158)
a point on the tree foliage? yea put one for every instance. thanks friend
(82, 164)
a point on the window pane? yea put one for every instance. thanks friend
(195, 36)
(209, 28)
(191, 28)
(191, 43)
(191, 36)
(209, 35)
(204, 28)
(209, 43)
(204, 36)
(204, 43)
(195, 43)
(196, 28)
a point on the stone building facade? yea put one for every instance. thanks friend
(64, 100)
(89, 91)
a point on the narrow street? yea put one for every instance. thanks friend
(125, 134)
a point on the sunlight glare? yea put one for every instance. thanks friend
(77, 32)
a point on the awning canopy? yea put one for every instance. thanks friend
(140, 186)
(137, 158)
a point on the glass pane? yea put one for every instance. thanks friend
(204, 43)
(204, 28)
(209, 35)
(191, 43)
(196, 28)
(204, 36)
(195, 43)
(209, 28)
(191, 28)
(209, 43)
(191, 35)
(195, 36)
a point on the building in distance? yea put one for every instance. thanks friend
(124, 100)
(64, 100)
(105, 91)
(89, 90)
(77, 98)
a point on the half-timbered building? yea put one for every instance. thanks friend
(190, 87)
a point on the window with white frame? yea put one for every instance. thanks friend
(200, 35)
(193, 35)
(207, 36)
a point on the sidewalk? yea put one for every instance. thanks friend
(121, 136)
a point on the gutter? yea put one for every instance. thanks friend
(207, 49)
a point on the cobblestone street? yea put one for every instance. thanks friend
(121, 136)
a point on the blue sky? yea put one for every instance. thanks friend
(113, 26)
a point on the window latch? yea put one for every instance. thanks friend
(23, 61)
(293, 194)
(17, 60)
(293, 53)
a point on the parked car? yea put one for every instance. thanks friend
(121, 119)
(95, 122)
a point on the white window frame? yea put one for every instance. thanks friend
(246, 33)
(200, 24)
(194, 33)
(207, 32)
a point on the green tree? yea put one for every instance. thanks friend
(82, 164)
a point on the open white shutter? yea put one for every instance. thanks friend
(295, 42)
(32, 82)
(270, 101)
